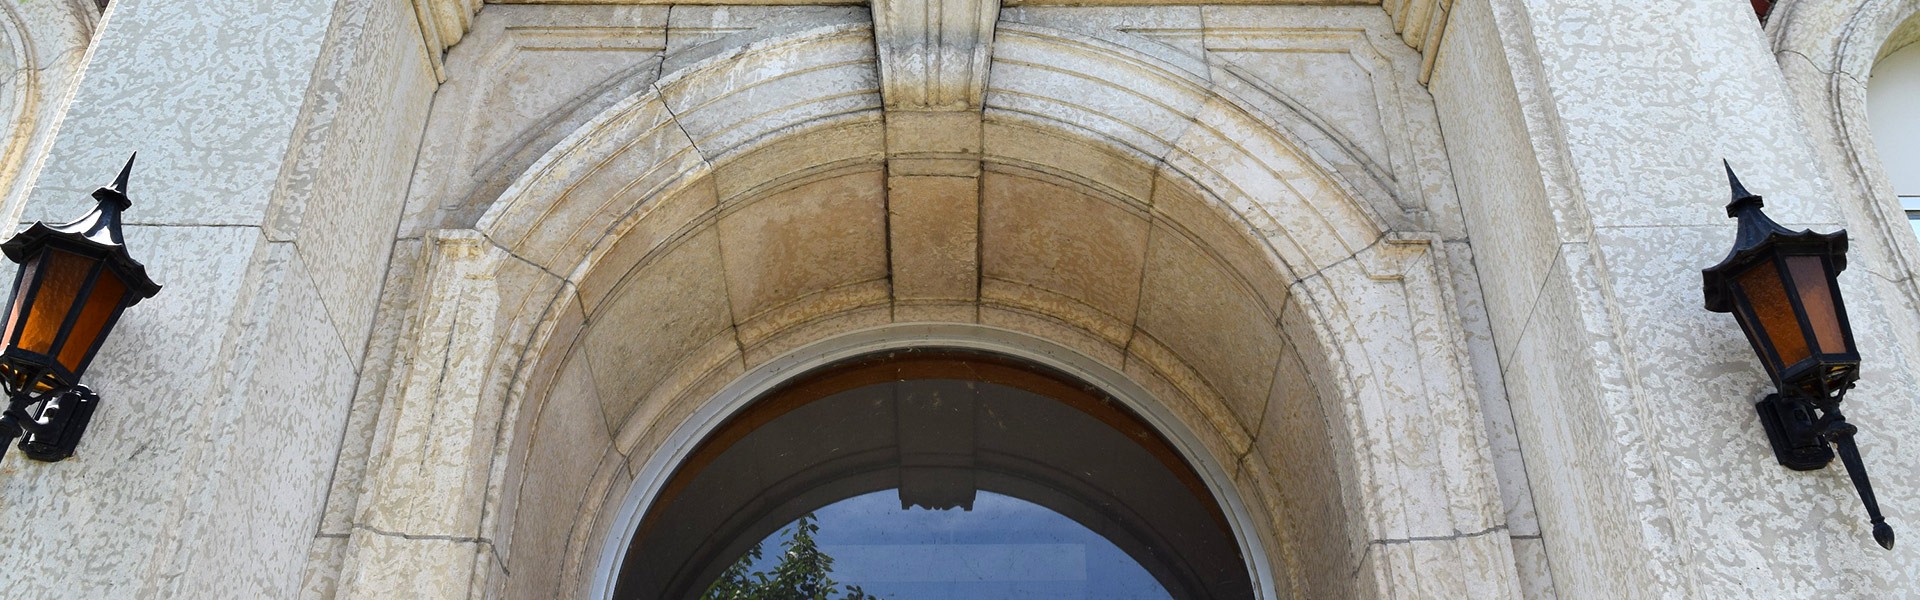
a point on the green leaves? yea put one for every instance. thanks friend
(803, 573)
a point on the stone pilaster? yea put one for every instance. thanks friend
(205, 471)
(1587, 139)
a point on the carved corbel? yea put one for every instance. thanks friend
(934, 54)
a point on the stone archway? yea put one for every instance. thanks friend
(761, 203)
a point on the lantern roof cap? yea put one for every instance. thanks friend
(96, 234)
(1758, 238)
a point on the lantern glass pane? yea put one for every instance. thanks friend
(105, 297)
(1810, 277)
(66, 273)
(1768, 296)
(20, 287)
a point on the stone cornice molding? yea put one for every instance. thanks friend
(934, 54)
(1422, 24)
(442, 24)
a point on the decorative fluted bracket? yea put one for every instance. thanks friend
(934, 54)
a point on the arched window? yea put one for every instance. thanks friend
(935, 474)
(1893, 112)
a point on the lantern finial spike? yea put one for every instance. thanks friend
(1741, 197)
(120, 183)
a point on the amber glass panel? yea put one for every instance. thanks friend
(101, 302)
(20, 288)
(66, 272)
(1810, 277)
(1771, 307)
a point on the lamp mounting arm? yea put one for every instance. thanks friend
(52, 435)
(1839, 432)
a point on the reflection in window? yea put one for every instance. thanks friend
(933, 474)
(1893, 113)
(868, 547)
(1911, 204)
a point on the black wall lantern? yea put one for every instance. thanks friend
(74, 280)
(1783, 288)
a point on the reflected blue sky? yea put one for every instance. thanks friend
(1005, 548)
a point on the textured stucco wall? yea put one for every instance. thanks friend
(204, 473)
(1587, 140)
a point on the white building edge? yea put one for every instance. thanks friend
(453, 287)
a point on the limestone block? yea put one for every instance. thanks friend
(698, 32)
(1516, 229)
(1566, 461)
(1147, 114)
(1509, 463)
(1256, 489)
(933, 143)
(629, 415)
(1182, 210)
(1061, 331)
(841, 144)
(653, 227)
(570, 442)
(665, 410)
(436, 569)
(1204, 414)
(723, 104)
(1169, 33)
(1313, 500)
(669, 306)
(1029, 145)
(1205, 313)
(933, 236)
(824, 241)
(936, 312)
(1353, 89)
(1644, 61)
(645, 153)
(1536, 580)
(1072, 246)
(1258, 174)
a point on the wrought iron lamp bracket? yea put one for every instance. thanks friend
(53, 429)
(1805, 432)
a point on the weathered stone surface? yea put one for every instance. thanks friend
(1420, 362)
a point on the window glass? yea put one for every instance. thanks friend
(934, 474)
(1893, 112)
(1912, 206)
(869, 547)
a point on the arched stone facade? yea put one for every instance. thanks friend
(1412, 283)
(1166, 230)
